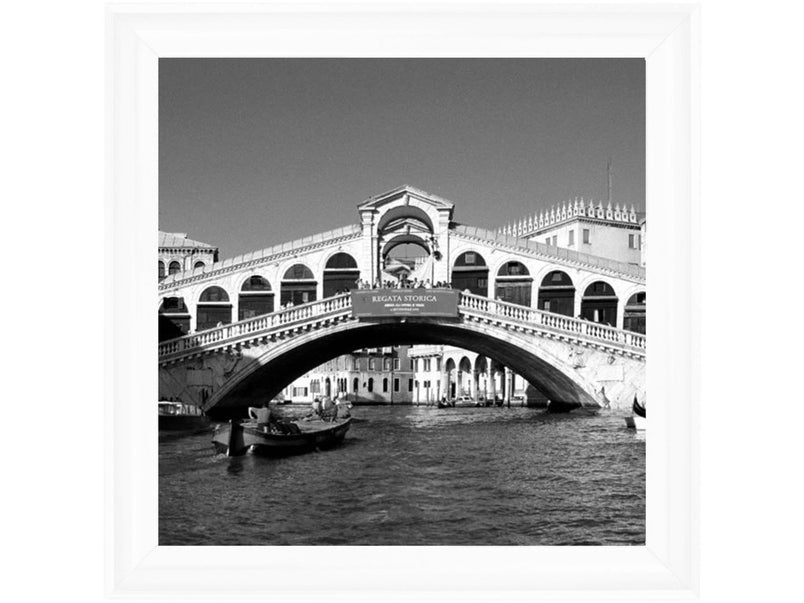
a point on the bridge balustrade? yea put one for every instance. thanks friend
(558, 322)
(339, 305)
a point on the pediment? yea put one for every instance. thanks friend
(404, 195)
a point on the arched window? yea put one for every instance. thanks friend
(174, 318)
(470, 272)
(199, 264)
(371, 384)
(298, 286)
(634, 319)
(385, 385)
(514, 283)
(256, 298)
(557, 294)
(214, 308)
(340, 274)
(355, 385)
(599, 304)
(161, 270)
(174, 268)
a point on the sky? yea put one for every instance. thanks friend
(256, 152)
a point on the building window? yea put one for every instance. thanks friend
(410, 385)
(387, 364)
(372, 364)
(385, 385)
(426, 364)
(631, 242)
(371, 385)
(396, 364)
(199, 264)
(571, 238)
(174, 268)
(586, 236)
(161, 270)
(396, 385)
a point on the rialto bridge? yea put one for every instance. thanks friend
(256, 322)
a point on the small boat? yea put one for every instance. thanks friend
(639, 419)
(177, 416)
(446, 404)
(236, 437)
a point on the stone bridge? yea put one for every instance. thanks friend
(228, 368)
(252, 324)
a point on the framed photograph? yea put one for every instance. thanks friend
(402, 251)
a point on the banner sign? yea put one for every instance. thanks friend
(384, 303)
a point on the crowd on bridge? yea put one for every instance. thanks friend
(402, 283)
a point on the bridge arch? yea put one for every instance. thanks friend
(402, 239)
(265, 375)
(402, 212)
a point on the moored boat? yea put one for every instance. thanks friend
(277, 438)
(177, 416)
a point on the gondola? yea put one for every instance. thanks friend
(236, 437)
(638, 420)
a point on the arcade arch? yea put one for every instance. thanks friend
(634, 318)
(213, 308)
(599, 303)
(514, 283)
(298, 286)
(557, 293)
(174, 318)
(471, 272)
(174, 267)
(340, 273)
(256, 298)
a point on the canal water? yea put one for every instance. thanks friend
(410, 475)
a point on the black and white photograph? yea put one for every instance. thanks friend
(397, 336)
(402, 301)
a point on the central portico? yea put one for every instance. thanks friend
(406, 215)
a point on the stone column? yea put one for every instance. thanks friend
(492, 386)
(444, 384)
(621, 313)
(508, 386)
(475, 387)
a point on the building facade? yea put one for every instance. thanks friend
(612, 232)
(177, 253)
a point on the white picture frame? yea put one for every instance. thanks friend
(666, 35)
